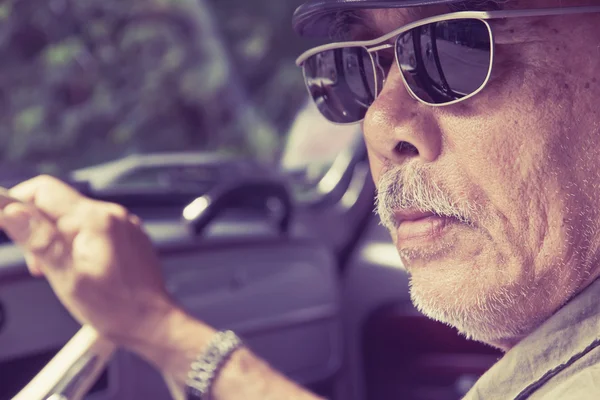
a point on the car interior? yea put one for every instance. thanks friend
(313, 286)
(289, 255)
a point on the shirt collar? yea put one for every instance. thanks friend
(573, 331)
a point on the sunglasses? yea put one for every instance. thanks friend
(444, 60)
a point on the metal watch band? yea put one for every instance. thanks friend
(205, 369)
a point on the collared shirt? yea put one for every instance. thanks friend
(560, 360)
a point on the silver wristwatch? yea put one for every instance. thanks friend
(205, 369)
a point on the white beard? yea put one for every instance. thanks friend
(480, 304)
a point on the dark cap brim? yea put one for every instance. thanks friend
(314, 18)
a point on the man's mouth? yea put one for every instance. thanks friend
(415, 227)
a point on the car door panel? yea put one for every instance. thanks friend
(263, 289)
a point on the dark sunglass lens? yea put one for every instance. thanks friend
(342, 83)
(447, 60)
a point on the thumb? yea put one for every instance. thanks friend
(16, 222)
(34, 233)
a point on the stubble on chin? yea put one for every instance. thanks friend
(480, 308)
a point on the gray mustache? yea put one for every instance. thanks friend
(413, 188)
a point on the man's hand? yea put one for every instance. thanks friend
(95, 255)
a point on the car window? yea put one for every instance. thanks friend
(313, 143)
(86, 83)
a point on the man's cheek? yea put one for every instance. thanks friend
(377, 165)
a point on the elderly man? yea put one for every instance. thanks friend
(480, 128)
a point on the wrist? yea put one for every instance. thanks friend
(167, 337)
(143, 322)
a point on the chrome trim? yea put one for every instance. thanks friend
(73, 370)
(79, 378)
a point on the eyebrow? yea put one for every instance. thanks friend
(349, 25)
(357, 25)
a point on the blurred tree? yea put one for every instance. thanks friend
(85, 81)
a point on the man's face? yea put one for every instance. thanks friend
(513, 170)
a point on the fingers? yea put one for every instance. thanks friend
(34, 265)
(35, 234)
(50, 195)
(52, 215)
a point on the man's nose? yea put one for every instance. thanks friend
(398, 128)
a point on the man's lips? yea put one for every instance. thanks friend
(415, 226)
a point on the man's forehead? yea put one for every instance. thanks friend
(383, 21)
(369, 24)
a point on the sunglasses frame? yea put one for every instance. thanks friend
(379, 43)
(375, 77)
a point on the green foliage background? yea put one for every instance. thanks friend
(87, 81)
